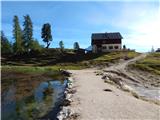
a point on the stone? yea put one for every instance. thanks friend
(104, 77)
(69, 85)
(64, 113)
(68, 96)
(127, 88)
(65, 72)
(66, 102)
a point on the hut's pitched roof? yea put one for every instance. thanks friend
(100, 36)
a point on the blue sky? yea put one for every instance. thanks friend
(138, 22)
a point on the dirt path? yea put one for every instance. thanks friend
(122, 65)
(141, 82)
(93, 103)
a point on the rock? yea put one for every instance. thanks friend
(74, 116)
(60, 116)
(70, 79)
(65, 92)
(98, 73)
(65, 112)
(72, 91)
(127, 88)
(104, 77)
(118, 81)
(69, 85)
(65, 72)
(68, 96)
(66, 102)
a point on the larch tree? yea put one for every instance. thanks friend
(46, 34)
(27, 33)
(17, 35)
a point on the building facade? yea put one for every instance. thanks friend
(106, 42)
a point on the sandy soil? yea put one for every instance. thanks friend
(92, 102)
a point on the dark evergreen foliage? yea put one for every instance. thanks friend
(27, 33)
(35, 46)
(17, 35)
(76, 46)
(124, 47)
(61, 45)
(46, 34)
(6, 46)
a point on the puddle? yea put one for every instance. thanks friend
(28, 102)
(151, 93)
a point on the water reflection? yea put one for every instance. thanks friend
(20, 102)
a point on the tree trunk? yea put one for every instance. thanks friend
(47, 45)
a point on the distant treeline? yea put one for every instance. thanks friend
(24, 42)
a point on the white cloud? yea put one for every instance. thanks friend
(145, 33)
(139, 23)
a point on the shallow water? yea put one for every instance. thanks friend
(149, 92)
(26, 102)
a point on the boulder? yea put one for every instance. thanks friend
(64, 113)
(65, 72)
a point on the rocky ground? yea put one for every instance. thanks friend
(142, 83)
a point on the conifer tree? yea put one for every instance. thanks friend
(17, 35)
(61, 45)
(46, 34)
(76, 46)
(35, 46)
(27, 33)
(6, 46)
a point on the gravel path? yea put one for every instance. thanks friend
(96, 100)
(93, 103)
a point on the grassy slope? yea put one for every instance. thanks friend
(151, 63)
(68, 61)
(33, 72)
(110, 57)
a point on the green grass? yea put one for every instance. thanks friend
(151, 63)
(71, 67)
(28, 69)
(110, 57)
(72, 61)
(52, 57)
(32, 69)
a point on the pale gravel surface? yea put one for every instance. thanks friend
(92, 103)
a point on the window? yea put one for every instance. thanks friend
(110, 47)
(115, 47)
(104, 47)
